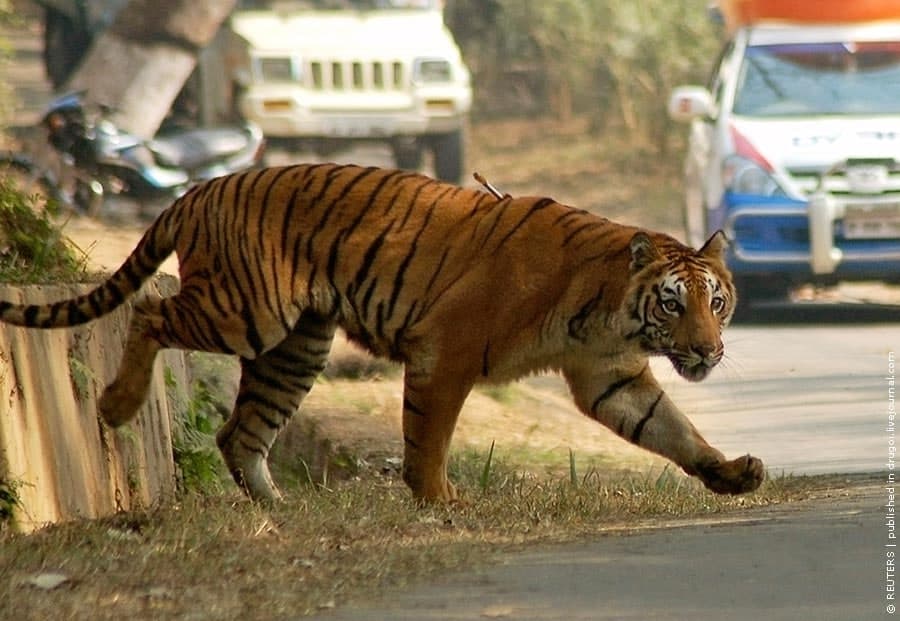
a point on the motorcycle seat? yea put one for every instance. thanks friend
(195, 148)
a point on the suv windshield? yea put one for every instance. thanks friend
(820, 78)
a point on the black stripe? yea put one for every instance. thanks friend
(76, 315)
(576, 323)
(330, 209)
(639, 428)
(254, 338)
(541, 204)
(367, 298)
(409, 407)
(95, 303)
(498, 212)
(615, 387)
(115, 293)
(255, 449)
(404, 265)
(570, 213)
(252, 434)
(273, 377)
(413, 202)
(368, 259)
(401, 331)
(134, 279)
(265, 405)
(196, 236)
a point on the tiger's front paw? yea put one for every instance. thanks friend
(738, 476)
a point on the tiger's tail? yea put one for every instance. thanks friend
(153, 248)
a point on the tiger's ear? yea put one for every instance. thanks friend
(715, 246)
(643, 251)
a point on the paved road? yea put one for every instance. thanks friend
(803, 395)
(824, 562)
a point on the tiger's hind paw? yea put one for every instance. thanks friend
(117, 406)
(738, 476)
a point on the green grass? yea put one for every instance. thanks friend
(197, 460)
(32, 247)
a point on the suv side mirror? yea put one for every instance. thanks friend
(690, 102)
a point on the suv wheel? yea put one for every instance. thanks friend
(448, 155)
(408, 153)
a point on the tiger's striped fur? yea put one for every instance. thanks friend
(458, 285)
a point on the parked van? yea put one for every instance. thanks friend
(794, 146)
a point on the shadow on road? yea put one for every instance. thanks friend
(817, 313)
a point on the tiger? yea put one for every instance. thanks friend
(457, 284)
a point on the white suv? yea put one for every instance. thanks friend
(795, 154)
(331, 72)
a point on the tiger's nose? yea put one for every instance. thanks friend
(704, 350)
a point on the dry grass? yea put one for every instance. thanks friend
(220, 557)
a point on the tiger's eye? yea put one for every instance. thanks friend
(671, 306)
(717, 304)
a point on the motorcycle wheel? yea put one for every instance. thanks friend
(26, 179)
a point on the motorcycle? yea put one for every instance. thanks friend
(98, 163)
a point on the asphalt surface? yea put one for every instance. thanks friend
(823, 561)
(806, 389)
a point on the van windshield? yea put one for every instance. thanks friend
(861, 78)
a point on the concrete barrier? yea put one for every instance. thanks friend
(56, 456)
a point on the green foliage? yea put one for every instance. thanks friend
(193, 444)
(32, 248)
(573, 474)
(485, 478)
(81, 375)
(9, 500)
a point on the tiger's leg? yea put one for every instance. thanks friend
(124, 396)
(272, 387)
(182, 321)
(634, 406)
(431, 406)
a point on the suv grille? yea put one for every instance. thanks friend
(357, 75)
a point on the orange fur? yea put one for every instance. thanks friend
(458, 285)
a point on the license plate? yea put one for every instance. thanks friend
(358, 128)
(873, 221)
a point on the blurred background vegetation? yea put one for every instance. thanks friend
(7, 17)
(613, 61)
(610, 61)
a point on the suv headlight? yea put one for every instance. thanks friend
(743, 176)
(277, 69)
(432, 71)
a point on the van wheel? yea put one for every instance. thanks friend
(752, 290)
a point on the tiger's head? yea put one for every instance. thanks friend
(679, 301)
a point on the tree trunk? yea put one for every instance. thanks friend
(139, 64)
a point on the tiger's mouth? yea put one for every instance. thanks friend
(692, 368)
